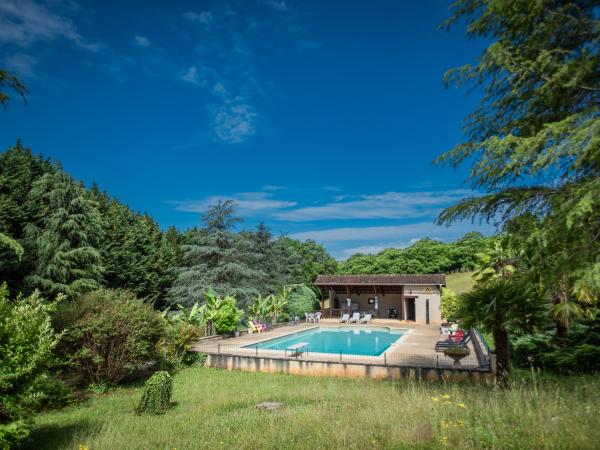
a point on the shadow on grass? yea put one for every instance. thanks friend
(57, 436)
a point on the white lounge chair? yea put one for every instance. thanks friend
(317, 318)
(355, 318)
(366, 318)
(345, 318)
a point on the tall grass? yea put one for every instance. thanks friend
(216, 409)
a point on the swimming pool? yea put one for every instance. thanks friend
(349, 340)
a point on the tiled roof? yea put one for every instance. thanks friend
(379, 280)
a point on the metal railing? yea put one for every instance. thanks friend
(396, 359)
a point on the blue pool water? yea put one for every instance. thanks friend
(372, 341)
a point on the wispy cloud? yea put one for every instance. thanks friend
(279, 6)
(391, 205)
(235, 121)
(23, 22)
(204, 17)
(343, 242)
(141, 41)
(20, 63)
(192, 75)
(248, 203)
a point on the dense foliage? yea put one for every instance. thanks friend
(227, 316)
(534, 149)
(424, 256)
(58, 236)
(27, 340)
(108, 334)
(579, 351)
(156, 398)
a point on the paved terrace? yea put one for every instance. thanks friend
(416, 348)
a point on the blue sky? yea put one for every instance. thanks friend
(319, 118)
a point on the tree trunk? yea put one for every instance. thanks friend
(502, 354)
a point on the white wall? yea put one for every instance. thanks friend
(421, 294)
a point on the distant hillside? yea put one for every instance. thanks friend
(460, 282)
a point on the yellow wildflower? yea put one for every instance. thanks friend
(444, 440)
(445, 396)
(461, 405)
(435, 399)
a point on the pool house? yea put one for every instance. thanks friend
(414, 298)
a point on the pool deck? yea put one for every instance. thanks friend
(416, 347)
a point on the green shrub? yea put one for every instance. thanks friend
(13, 433)
(156, 398)
(227, 316)
(27, 340)
(449, 304)
(176, 346)
(579, 351)
(108, 335)
(302, 299)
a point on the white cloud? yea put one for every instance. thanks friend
(219, 89)
(193, 76)
(234, 121)
(248, 203)
(24, 22)
(204, 17)
(279, 6)
(391, 205)
(21, 64)
(141, 41)
(343, 242)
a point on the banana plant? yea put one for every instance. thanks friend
(211, 305)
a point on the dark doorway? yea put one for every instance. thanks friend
(410, 309)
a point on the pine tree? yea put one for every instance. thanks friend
(19, 169)
(60, 243)
(218, 259)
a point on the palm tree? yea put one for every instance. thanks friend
(501, 305)
(498, 261)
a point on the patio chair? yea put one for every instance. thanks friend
(440, 346)
(345, 318)
(255, 328)
(366, 318)
(310, 317)
(317, 317)
(355, 318)
(262, 326)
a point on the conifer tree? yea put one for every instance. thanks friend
(60, 242)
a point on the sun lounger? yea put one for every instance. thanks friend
(366, 318)
(345, 318)
(442, 345)
(355, 318)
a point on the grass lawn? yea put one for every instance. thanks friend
(459, 282)
(214, 408)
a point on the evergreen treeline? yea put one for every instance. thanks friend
(76, 239)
